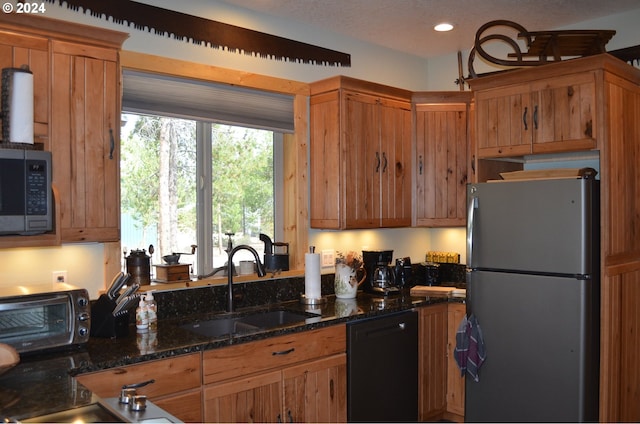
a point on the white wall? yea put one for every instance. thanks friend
(367, 61)
(84, 262)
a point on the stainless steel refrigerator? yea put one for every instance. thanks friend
(533, 285)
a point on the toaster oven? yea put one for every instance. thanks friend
(38, 318)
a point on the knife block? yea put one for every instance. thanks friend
(104, 324)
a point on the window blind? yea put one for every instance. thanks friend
(148, 93)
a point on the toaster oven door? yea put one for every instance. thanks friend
(36, 322)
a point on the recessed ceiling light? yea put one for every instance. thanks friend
(443, 27)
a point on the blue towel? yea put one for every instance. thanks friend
(469, 352)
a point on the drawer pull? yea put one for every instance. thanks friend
(283, 352)
(138, 385)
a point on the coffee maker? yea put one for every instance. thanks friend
(380, 277)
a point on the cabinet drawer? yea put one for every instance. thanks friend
(171, 375)
(248, 358)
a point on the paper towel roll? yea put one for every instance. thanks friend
(17, 105)
(312, 276)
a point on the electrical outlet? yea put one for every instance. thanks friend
(328, 258)
(59, 276)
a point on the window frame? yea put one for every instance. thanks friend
(295, 187)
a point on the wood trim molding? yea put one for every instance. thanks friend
(175, 67)
(62, 30)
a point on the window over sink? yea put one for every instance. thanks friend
(190, 177)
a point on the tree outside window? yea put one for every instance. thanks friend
(159, 182)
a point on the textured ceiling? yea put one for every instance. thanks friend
(406, 25)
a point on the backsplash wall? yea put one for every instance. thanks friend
(83, 263)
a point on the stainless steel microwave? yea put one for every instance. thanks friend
(25, 192)
(38, 318)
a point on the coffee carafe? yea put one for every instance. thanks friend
(370, 259)
(383, 280)
(383, 277)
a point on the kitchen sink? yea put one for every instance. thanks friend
(219, 327)
(246, 324)
(273, 319)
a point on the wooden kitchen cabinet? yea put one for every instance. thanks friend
(298, 377)
(316, 391)
(85, 140)
(76, 116)
(549, 115)
(360, 155)
(441, 388)
(455, 382)
(442, 161)
(177, 386)
(432, 362)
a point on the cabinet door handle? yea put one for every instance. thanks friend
(420, 164)
(290, 416)
(384, 163)
(283, 352)
(535, 117)
(377, 162)
(524, 118)
(112, 143)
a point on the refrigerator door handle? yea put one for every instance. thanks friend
(472, 206)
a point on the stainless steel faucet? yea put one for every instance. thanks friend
(261, 271)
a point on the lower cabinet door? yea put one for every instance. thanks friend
(455, 381)
(316, 391)
(185, 406)
(256, 398)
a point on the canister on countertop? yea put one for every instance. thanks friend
(139, 266)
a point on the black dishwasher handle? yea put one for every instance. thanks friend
(389, 329)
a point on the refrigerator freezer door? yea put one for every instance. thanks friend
(541, 346)
(532, 226)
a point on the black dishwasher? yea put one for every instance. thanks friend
(382, 368)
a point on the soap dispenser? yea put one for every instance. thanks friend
(152, 311)
(142, 317)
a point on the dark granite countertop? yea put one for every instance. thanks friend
(44, 384)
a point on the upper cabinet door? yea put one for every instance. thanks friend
(441, 164)
(503, 117)
(362, 160)
(564, 113)
(85, 141)
(395, 171)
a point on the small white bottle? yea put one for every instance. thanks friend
(142, 316)
(152, 311)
